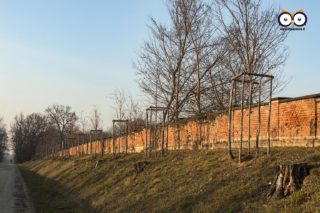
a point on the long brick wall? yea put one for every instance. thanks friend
(294, 122)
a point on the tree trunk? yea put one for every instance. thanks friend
(288, 179)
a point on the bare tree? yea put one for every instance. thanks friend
(95, 119)
(205, 56)
(176, 66)
(63, 119)
(83, 123)
(161, 63)
(127, 108)
(253, 40)
(27, 134)
(119, 106)
(187, 65)
(3, 138)
(255, 45)
(135, 114)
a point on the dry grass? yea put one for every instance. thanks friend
(186, 181)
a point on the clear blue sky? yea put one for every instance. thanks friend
(76, 52)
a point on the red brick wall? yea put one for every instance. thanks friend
(293, 123)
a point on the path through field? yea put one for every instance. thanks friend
(13, 191)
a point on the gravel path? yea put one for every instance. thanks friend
(13, 191)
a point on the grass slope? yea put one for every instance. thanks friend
(186, 181)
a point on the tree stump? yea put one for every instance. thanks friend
(288, 179)
(140, 166)
(98, 163)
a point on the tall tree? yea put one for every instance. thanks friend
(205, 55)
(95, 119)
(255, 45)
(119, 104)
(253, 39)
(175, 66)
(134, 114)
(187, 65)
(83, 123)
(63, 119)
(127, 108)
(161, 64)
(3, 138)
(27, 134)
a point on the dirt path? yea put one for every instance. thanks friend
(13, 192)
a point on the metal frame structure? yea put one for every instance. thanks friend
(263, 79)
(69, 142)
(81, 140)
(101, 141)
(151, 144)
(113, 135)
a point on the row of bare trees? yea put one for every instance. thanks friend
(187, 64)
(31, 131)
(38, 134)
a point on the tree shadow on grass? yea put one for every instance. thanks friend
(229, 201)
(50, 196)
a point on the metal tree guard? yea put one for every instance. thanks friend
(263, 79)
(149, 119)
(113, 135)
(95, 131)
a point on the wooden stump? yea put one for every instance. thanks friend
(288, 179)
(140, 166)
(98, 163)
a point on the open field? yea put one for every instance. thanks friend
(183, 181)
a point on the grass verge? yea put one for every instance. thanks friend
(182, 181)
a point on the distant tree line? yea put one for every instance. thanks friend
(39, 134)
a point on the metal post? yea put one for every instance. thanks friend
(87, 142)
(102, 143)
(315, 121)
(162, 132)
(259, 120)
(150, 142)
(119, 141)
(113, 141)
(234, 102)
(167, 139)
(229, 120)
(127, 132)
(241, 121)
(78, 144)
(269, 118)
(146, 142)
(249, 115)
(90, 143)
(62, 147)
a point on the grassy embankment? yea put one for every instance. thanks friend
(186, 181)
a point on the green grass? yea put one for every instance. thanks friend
(184, 181)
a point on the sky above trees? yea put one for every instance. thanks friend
(78, 52)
